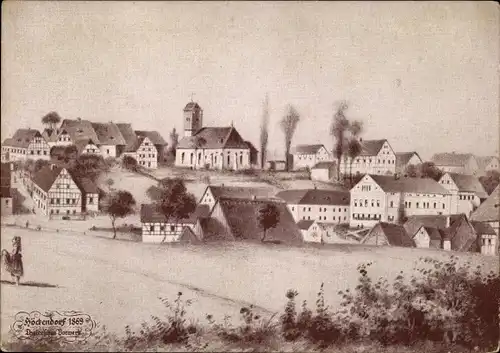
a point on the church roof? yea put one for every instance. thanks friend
(191, 106)
(214, 137)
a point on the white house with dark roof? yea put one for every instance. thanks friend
(383, 198)
(110, 140)
(211, 147)
(404, 159)
(87, 147)
(467, 192)
(214, 193)
(324, 171)
(59, 192)
(487, 163)
(26, 144)
(307, 156)
(323, 205)
(157, 229)
(462, 163)
(57, 137)
(489, 213)
(157, 141)
(377, 157)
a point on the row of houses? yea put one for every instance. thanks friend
(104, 139)
(327, 216)
(377, 157)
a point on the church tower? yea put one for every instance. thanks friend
(193, 118)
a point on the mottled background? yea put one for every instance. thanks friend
(423, 75)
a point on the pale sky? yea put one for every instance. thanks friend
(423, 75)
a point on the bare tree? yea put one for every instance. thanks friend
(354, 147)
(289, 125)
(174, 141)
(264, 132)
(338, 130)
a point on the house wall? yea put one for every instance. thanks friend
(6, 206)
(301, 161)
(163, 232)
(147, 154)
(324, 213)
(323, 174)
(314, 234)
(422, 239)
(493, 165)
(489, 244)
(108, 151)
(426, 204)
(236, 159)
(91, 203)
(15, 153)
(218, 214)
(208, 199)
(381, 164)
(38, 149)
(91, 149)
(64, 197)
(64, 139)
(368, 204)
(467, 202)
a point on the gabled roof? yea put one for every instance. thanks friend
(434, 233)
(84, 184)
(305, 224)
(371, 147)
(251, 146)
(408, 185)
(315, 197)
(129, 136)
(324, 165)
(487, 212)
(50, 135)
(307, 149)
(414, 223)
(242, 219)
(402, 158)
(22, 138)
(468, 183)
(236, 192)
(214, 137)
(79, 130)
(395, 234)
(483, 161)
(151, 214)
(451, 159)
(108, 134)
(46, 176)
(81, 144)
(483, 228)
(153, 136)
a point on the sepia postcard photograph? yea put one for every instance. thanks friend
(250, 176)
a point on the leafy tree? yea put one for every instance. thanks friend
(118, 204)
(354, 147)
(289, 124)
(490, 181)
(174, 141)
(90, 166)
(174, 202)
(339, 130)
(129, 163)
(424, 170)
(268, 218)
(51, 120)
(39, 164)
(411, 171)
(264, 133)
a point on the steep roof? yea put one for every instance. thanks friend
(242, 219)
(406, 184)
(413, 224)
(306, 149)
(150, 214)
(402, 158)
(371, 147)
(451, 159)
(483, 228)
(108, 134)
(50, 135)
(214, 137)
(324, 165)
(468, 183)
(154, 136)
(84, 184)
(81, 144)
(434, 233)
(304, 224)
(396, 234)
(129, 136)
(483, 161)
(79, 130)
(315, 197)
(46, 176)
(22, 138)
(487, 211)
(236, 192)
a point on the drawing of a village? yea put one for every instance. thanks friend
(250, 176)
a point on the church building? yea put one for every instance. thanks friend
(212, 147)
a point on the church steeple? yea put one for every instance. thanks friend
(193, 118)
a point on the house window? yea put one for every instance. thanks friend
(58, 201)
(151, 228)
(162, 228)
(67, 211)
(51, 211)
(309, 209)
(417, 205)
(172, 228)
(67, 201)
(107, 151)
(378, 203)
(51, 201)
(91, 200)
(74, 211)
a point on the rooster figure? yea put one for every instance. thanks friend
(13, 263)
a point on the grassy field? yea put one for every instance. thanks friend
(119, 282)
